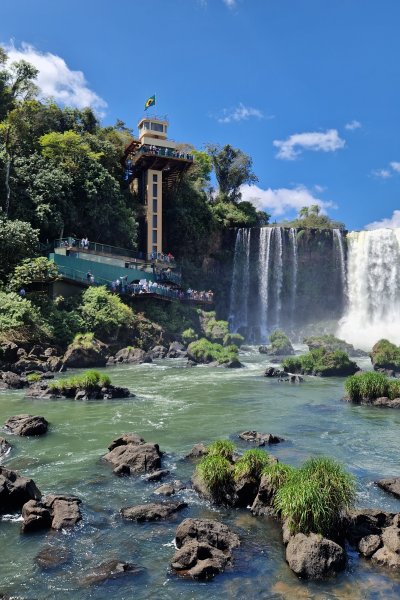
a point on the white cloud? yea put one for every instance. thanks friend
(316, 141)
(240, 113)
(395, 166)
(282, 200)
(230, 3)
(353, 125)
(382, 173)
(56, 79)
(391, 223)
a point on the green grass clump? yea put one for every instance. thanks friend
(233, 338)
(83, 340)
(315, 495)
(223, 448)
(189, 335)
(251, 464)
(369, 385)
(278, 473)
(204, 351)
(33, 377)
(321, 362)
(216, 473)
(90, 380)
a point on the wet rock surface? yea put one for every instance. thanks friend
(158, 352)
(152, 511)
(93, 355)
(197, 451)
(42, 389)
(131, 452)
(281, 375)
(176, 350)
(15, 491)
(260, 439)
(205, 548)
(314, 557)
(391, 485)
(130, 356)
(263, 502)
(55, 511)
(51, 558)
(157, 475)
(110, 570)
(27, 425)
(12, 381)
(169, 489)
(5, 447)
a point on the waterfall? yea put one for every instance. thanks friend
(338, 237)
(277, 273)
(293, 243)
(373, 281)
(239, 298)
(263, 278)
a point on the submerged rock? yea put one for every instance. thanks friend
(27, 425)
(314, 557)
(55, 511)
(152, 511)
(131, 452)
(51, 558)
(15, 491)
(197, 451)
(112, 569)
(157, 475)
(169, 489)
(391, 485)
(260, 439)
(204, 548)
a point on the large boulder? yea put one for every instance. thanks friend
(314, 557)
(15, 491)
(197, 451)
(169, 489)
(176, 350)
(110, 570)
(158, 352)
(55, 511)
(5, 447)
(152, 511)
(83, 356)
(27, 425)
(11, 381)
(50, 557)
(263, 502)
(134, 455)
(260, 439)
(131, 356)
(8, 353)
(204, 548)
(364, 522)
(391, 485)
(369, 544)
(386, 558)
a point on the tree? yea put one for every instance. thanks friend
(304, 212)
(68, 148)
(233, 168)
(18, 240)
(104, 313)
(39, 269)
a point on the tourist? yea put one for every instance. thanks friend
(22, 292)
(89, 276)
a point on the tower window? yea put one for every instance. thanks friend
(155, 190)
(155, 177)
(155, 221)
(155, 208)
(157, 127)
(154, 236)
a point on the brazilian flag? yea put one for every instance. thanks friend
(150, 102)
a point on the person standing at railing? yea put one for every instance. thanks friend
(89, 277)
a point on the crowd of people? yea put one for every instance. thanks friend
(121, 286)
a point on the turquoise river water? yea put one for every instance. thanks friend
(178, 407)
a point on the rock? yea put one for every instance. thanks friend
(122, 470)
(263, 503)
(364, 522)
(274, 372)
(110, 570)
(55, 364)
(169, 489)
(42, 389)
(152, 511)
(8, 352)
(383, 402)
(140, 457)
(27, 425)
(158, 352)
(157, 475)
(197, 451)
(131, 356)
(92, 355)
(385, 558)
(262, 349)
(5, 447)
(391, 485)
(176, 350)
(12, 381)
(50, 558)
(314, 557)
(245, 491)
(391, 538)
(15, 491)
(204, 548)
(261, 439)
(232, 364)
(54, 511)
(369, 544)
(24, 365)
(126, 438)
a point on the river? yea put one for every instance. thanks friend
(178, 407)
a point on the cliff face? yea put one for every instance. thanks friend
(277, 277)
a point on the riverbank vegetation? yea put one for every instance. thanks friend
(321, 362)
(370, 386)
(385, 355)
(204, 351)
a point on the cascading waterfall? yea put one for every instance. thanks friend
(338, 236)
(263, 277)
(373, 280)
(277, 274)
(293, 243)
(240, 281)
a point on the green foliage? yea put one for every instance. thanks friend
(174, 318)
(33, 270)
(233, 338)
(33, 377)
(224, 448)
(89, 381)
(204, 351)
(321, 362)
(280, 342)
(251, 464)
(189, 335)
(216, 473)
(67, 147)
(278, 473)
(314, 496)
(233, 168)
(18, 240)
(386, 355)
(214, 330)
(83, 340)
(242, 214)
(104, 313)
(371, 385)
(310, 217)
(20, 320)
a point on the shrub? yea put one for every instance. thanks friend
(314, 496)
(31, 270)
(369, 385)
(385, 355)
(189, 335)
(216, 473)
(104, 313)
(321, 362)
(224, 448)
(394, 389)
(20, 320)
(251, 464)
(83, 340)
(233, 338)
(204, 351)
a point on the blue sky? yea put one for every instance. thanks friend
(309, 88)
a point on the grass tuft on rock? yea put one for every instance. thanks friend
(278, 473)
(251, 464)
(90, 380)
(216, 473)
(223, 448)
(371, 385)
(204, 351)
(321, 362)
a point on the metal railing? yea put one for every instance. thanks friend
(162, 151)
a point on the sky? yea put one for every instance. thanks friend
(308, 88)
